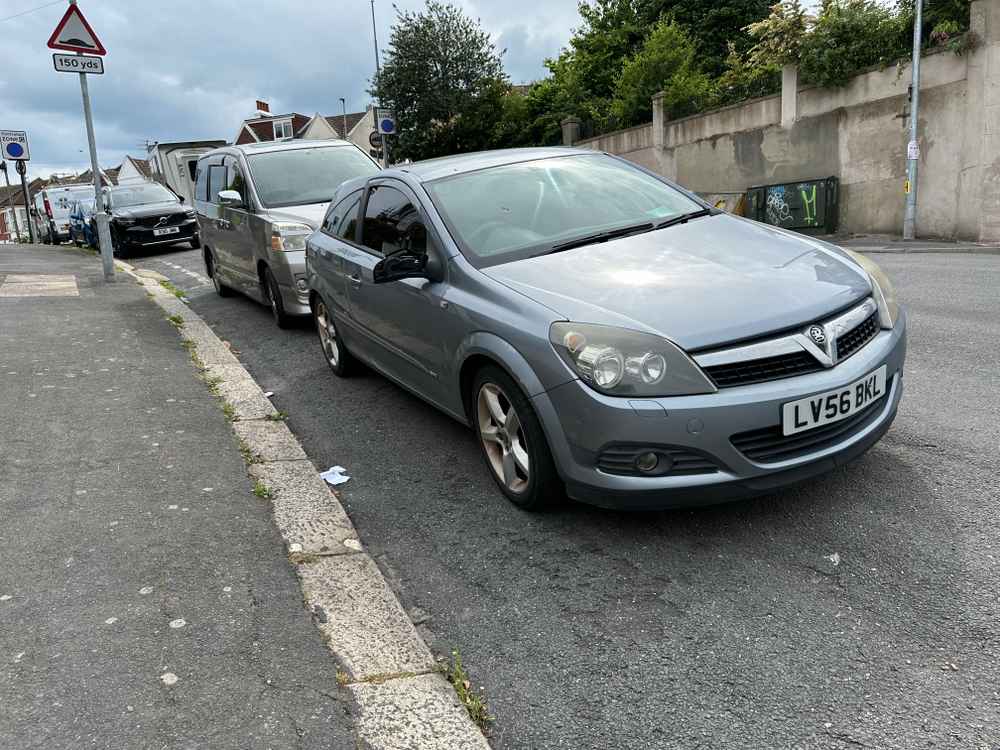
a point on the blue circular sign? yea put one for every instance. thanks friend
(15, 150)
(387, 126)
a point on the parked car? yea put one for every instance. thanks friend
(148, 215)
(257, 204)
(52, 207)
(604, 331)
(82, 229)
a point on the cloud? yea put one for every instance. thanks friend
(190, 69)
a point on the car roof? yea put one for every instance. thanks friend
(433, 169)
(269, 146)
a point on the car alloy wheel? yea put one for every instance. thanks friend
(503, 438)
(336, 355)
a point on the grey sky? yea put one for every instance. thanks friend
(184, 69)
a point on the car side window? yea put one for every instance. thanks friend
(201, 183)
(235, 179)
(342, 220)
(392, 224)
(216, 181)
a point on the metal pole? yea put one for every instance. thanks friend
(912, 156)
(21, 169)
(378, 72)
(103, 233)
(13, 208)
(343, 104)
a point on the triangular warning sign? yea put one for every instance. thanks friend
(74, 34)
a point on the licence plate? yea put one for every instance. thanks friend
(166, 230)
(833, 406)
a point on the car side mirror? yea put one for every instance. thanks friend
(406, 266)
(230, 199)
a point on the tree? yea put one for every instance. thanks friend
(667, 62)
(779, 36)
(443, 77)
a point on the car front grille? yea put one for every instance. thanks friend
(763, 370)
(769, 445)
(857, 337)
(153, 222)
(620, 459)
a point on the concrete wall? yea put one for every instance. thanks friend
(858, 133)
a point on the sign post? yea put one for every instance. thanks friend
(14, 147)
(10, 201)
(75, 35)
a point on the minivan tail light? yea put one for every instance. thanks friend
(48, 207)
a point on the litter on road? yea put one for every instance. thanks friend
(335, 475)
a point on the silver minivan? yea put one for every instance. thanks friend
(256, 205)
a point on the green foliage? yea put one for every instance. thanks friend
(851, 35)
(667, 62)
(741, 80)
(443, 77)
(779, 36)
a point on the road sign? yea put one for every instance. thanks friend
(78, 64)
(74, 34)
(375, 139)
(14, 145)
(386, 122)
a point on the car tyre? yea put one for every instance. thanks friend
(118, 248)
(210, 268)
(340, 360)
(273, 295)
(512, 442)
(196, 242)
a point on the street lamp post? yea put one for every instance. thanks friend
(913, 147)
(378, 72)
(343, 106)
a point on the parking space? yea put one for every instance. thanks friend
(857, 610)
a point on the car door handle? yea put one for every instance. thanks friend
(355, 280)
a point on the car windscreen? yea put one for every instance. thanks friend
(516, 211)
(122, 197)
(306, 175)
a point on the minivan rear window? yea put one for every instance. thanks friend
(299, 176)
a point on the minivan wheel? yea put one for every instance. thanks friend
(340, 360)
(273, 293)
(221, 289)
(512, 442)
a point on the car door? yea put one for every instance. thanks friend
(405, 324)
(211, 178)
(238, 230)
(329, 253)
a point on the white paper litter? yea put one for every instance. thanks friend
(268, 394)
(335, 475)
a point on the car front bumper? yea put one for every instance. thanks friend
(139, 236)
(581, 424)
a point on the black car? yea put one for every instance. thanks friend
(148, 215)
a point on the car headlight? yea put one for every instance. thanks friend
(288, 237)
(884, 293)
(621, 362)
(190, 213)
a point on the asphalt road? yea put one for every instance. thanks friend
(859, 610)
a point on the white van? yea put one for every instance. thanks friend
(52, 208)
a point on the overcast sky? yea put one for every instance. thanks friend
(191, 69)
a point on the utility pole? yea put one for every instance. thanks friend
(913, 147)
(10, 201)
(378, 72)
(343, 105)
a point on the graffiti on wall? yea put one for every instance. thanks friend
(808, 206)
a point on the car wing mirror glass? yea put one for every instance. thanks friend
(400, 266)
(230, 199)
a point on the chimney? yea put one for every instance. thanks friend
(263, 107)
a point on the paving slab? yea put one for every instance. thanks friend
(269, 440)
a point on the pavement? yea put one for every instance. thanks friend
(861, 609)
(145, 597)
(887, 243)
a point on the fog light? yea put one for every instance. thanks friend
(647, 462)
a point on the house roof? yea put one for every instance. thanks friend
(261, 128)
(337, 122)
(142, 165)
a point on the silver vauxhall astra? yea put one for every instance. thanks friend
(606, 333)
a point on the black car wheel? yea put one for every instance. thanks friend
(213, 273)
(195, 242)
(512, 442)
(273, 295)
(119, 248)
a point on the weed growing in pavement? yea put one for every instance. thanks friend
(176, 321)
(277, 417)
(261, 490)
(249, 457)
(473, 700)
(229, 411)
(172, 289)
(342, 677)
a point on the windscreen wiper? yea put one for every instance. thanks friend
(684, 218)
(610, 234)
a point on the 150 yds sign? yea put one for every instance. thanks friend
(78, 64)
